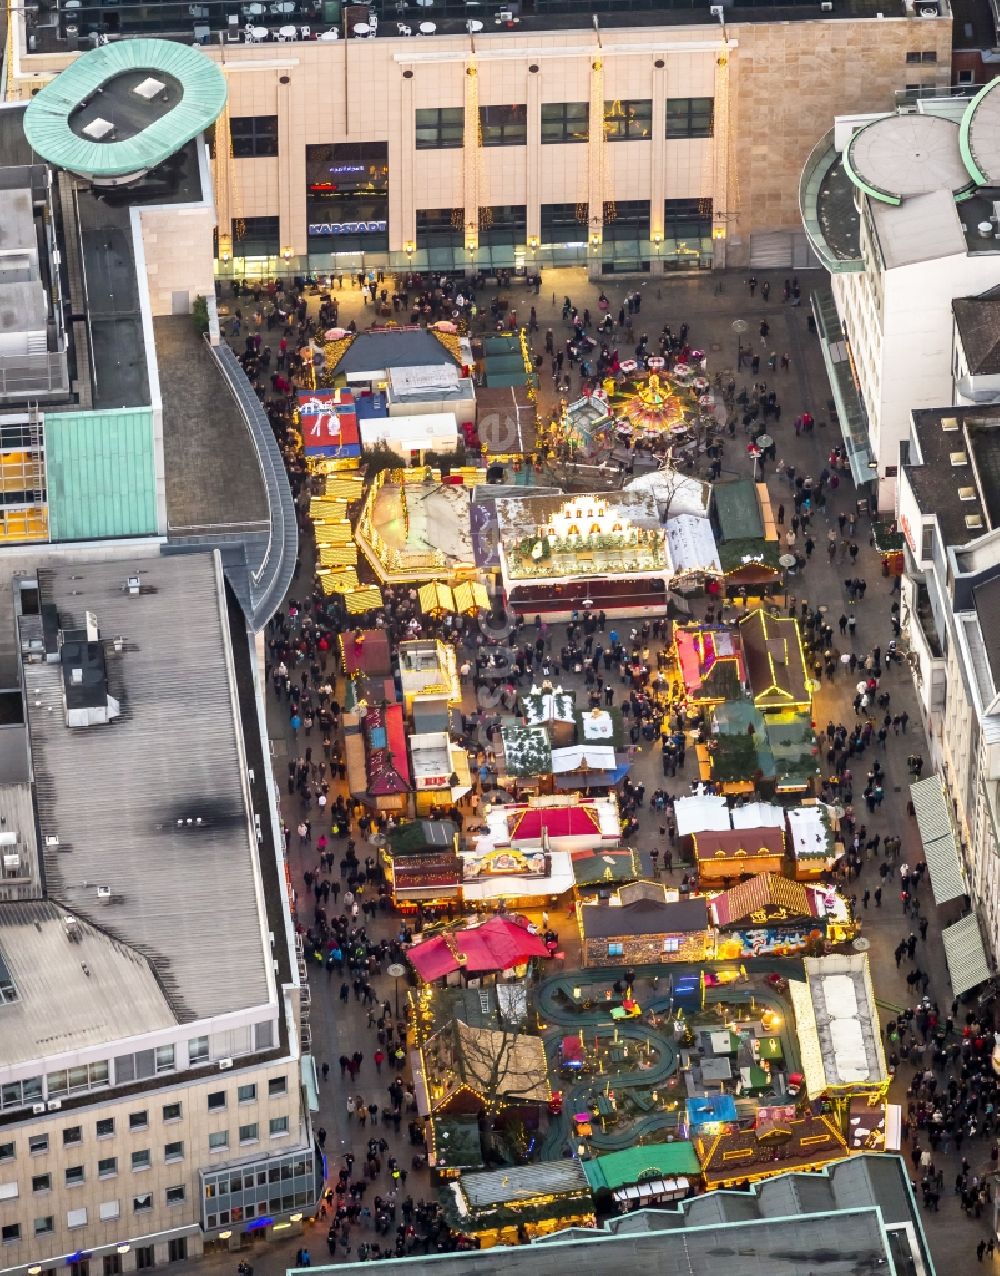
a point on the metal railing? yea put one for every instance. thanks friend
(270, 581)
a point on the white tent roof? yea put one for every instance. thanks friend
(701, 813)
(596, 757)
(758, 815)
(692, 544)
(681, 493)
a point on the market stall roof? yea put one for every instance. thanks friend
(638, 1164)
(837, 1023)
(940, 842)
(456, 1140)
(607, 866)
(583, 757)
(506, 419)
(965, 954)
(557, 881)
(644, 917)
(758, 815)
(415, 836)
(775, 662)
(709, 1109)
(498, 944)
(492, 1060)
(700, 812)
(372, 353)
(577, 820)
(803, 1141)
(738, 844)
(692, 544)
(387, 764)
(811, 830)
(674, 491)
(544, 706)
(526, 750)
(366, 651)
(737, 510)
(711, 661)
(761, 893)
(523, 1183)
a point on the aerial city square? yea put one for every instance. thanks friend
(500, 637)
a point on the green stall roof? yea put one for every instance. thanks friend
(634, 1165)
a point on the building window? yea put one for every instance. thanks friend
(175, 1196)
(107, 1167)
(77, 1218)
(77, 1080)
(165, 1059)
(111, 1265)
(503, 225)
(249, 1133)
(671, 944)
(218, 1141)
(105, 1127)
(173, 1151)
(8, 1191)
(20, 1094)
(74, 1175)
(926, 57)
(277, 1086)
(278, 1126)
(440, 128)
(347, 197)
(503, 125)
(109, 1210)
(616, 950)
(142, 1160)
(171, 1112)
(690, 117)
(626, 221)
(217, 1101)
(144, 1257)
(263, 1035)
(177, 1249)
(254, 136)
(41, 1182)
(10, 1233)
(71, 1135)
(564, 223)
(44, 1225)
(138, 1120)
(143, 1064)
(565, 122)
(255, 237)
(198, 1050)
(38, 1143)
(142, 1202)
(8, 1151)
(626, 120)
(247, 1093)
(687, 219)
(966, 77)
(440, 228)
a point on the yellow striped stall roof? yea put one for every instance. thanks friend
(345, 487)
(338, 582)
(334, 533)
(338, 555)
(367, 598)
(327, 508)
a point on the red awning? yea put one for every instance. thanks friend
(497, 945)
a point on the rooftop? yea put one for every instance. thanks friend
(979, 136)
(958, 474)
(978, 322)
(644, 917)
(124, 108)
(898, 157)
(837, 1024)
(923, 228)
(378, 351)
(173, 844)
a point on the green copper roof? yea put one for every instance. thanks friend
(47, 119)
(977, 135)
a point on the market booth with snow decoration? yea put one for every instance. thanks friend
(838, 1029)
(516, 1204)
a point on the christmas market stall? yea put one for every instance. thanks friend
(477, 952)
(650, 1174)
(725, 855)
(512, 1206)
(711, 663)
(838, 1028)
(644, 923)
(422, 864)
(378, 768)
(776, 666)
(747, 537)
(780, 1140)
(772, 916)
(814, 831)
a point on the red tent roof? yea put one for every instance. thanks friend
(557, 821)
(497, 945)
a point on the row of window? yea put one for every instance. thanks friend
(443, 127)
(10, 1233)
(217, 1101)
(139, 1066)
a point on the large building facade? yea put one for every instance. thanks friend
(635, 143)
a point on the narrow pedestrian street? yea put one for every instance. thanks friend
(343, 1026)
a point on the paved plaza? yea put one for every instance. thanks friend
(709, 305)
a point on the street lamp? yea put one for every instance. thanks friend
(397, 970)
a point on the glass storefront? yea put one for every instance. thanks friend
(251, 1196)
(347, 202)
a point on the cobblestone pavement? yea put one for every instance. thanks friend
(709, 305)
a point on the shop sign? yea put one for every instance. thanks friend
(349, 228)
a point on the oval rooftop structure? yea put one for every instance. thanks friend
(980, 135)
(123, 108)
(900, 156)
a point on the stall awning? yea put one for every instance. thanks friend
(937, 833)
(965, 954)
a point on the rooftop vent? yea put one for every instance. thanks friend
(958, 458)
(973, 521)
(949, 424)
(966, 493)
(132, 585)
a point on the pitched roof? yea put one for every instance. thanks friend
(775, 662)
(557, 821)
(762, 891)
(737, 510)
(978, 323)
(414, 836)
(509, 1065)
(737, 844)
(388, 767)
(644, 917)
(366, 651)
(803, 1141)
(394, 348)
(632, 1165)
